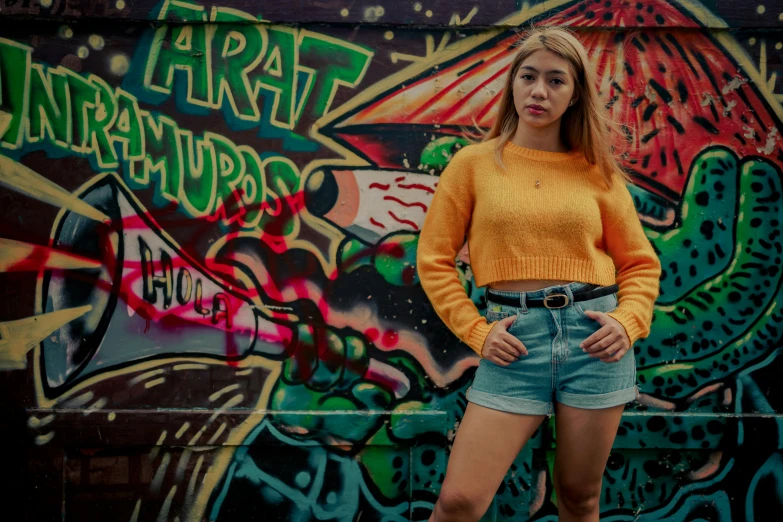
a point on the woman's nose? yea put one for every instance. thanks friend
(539, 90)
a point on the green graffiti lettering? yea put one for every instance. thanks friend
(99, 122)
(252, 188)
(94, 110)
(283, 182)
(185, 47)
(230, 60)
(238, 49)
(163, 156)
(207, 176)
(199, 175)
(84, 98)
(278, 75)
(14, 92)
(50, 108)
(231, 169)
(128, 129)
(334, 62)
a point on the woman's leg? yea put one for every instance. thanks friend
(584, 440)
(487, 443)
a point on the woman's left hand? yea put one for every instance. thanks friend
(610, 342)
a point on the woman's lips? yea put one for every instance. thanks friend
(536, 110)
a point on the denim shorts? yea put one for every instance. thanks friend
(556, 368)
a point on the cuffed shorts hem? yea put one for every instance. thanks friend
(598, 401)
(508, 404)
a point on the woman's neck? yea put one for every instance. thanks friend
(547, 138)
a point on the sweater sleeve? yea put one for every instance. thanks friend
(441, 238)
(638, 267)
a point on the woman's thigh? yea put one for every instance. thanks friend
(584, 441)
(486, 444)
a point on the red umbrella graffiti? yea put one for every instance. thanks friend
(673, 95)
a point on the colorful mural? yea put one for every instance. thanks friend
(208, 230)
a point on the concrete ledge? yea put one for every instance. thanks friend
(118, 428)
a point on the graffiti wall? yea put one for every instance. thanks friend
(209, 215)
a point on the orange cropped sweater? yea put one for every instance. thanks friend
(548, 216)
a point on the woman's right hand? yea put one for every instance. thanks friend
(501, 347)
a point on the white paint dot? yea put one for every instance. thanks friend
(119, 64)
(779, 46)
(96, 42)
(83, 52)
(344, 12)
(417, 7)
(761, 9)
(65, 32)
(120, 4)
(388, 35)
(46, 3)
(752, 41)
(373, 14)
(780, 17)
(428, 13)
(112, 416)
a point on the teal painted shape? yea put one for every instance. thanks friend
(702, 243)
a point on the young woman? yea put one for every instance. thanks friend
(572, 280)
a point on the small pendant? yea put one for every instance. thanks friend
(538, 184)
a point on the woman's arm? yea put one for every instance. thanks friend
(638, 267)
(441, 238)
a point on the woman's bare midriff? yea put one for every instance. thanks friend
(524, 286)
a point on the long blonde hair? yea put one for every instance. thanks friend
(586, 125)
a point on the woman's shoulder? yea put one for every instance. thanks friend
(484, 147)
(465, 162)
(474, 151)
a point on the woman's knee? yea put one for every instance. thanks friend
(454, 504)
(579, 498)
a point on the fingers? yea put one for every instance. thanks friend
(514, 344)
(615, 349)
(617, 354)
(502, 349)
(500, 357)
(508, 321)
(506, 348)
(596, 316)
(597, 336)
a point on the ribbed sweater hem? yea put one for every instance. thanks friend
(477, 337)
(544, 268)
(632, 327)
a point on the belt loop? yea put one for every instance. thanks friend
(569, 293)
(523, 303)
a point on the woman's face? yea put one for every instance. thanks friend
(543, 89)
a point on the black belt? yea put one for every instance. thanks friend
(554, 300)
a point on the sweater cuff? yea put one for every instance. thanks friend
(478, 335)
(630, 323)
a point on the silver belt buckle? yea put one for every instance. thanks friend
(547, 298)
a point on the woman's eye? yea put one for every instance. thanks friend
(527, 77)
(557, 80)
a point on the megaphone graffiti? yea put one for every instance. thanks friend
(149, 298)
